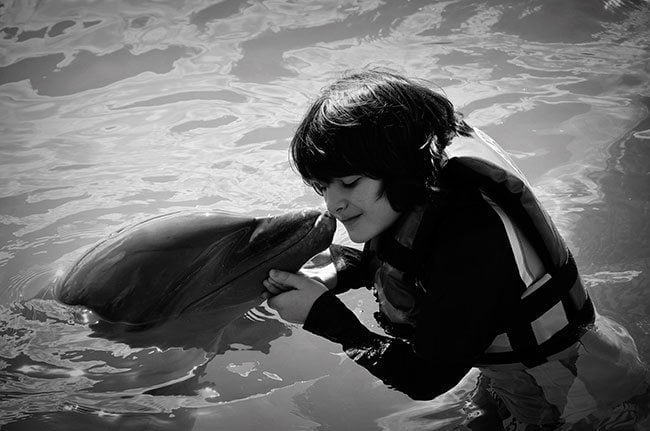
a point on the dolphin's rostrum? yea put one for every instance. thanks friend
(183, 263)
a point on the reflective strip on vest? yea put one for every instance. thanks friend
(530, 265)
(534, 276)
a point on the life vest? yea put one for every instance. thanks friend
(554, 310)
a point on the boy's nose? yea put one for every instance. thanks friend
(334, 201)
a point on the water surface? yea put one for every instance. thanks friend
(116, 111)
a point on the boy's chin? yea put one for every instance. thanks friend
(358, 238)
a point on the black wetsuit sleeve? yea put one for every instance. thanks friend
(392, 360)
(471, 281)
(352, 270)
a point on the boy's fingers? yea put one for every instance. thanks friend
(287, 279)
(273, 287)
(278, 276)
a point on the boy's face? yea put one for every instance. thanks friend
(354, 200)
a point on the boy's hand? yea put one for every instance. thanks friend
(321, 268)
(292, 295)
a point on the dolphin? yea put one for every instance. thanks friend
(189, 263)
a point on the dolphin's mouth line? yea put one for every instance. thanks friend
(288, 247)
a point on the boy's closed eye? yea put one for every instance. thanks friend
(350, 181)
(347, 182)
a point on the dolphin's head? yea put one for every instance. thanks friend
(185, 263)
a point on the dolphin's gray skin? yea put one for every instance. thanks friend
(190, 263)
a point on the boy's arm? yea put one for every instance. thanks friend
(471, 288)
(392, 360)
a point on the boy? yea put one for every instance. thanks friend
(468, 269)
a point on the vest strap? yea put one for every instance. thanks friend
(562, 340)
(546, 296)
(562, 288)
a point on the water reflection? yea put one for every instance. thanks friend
(113, 112)
(619, 255)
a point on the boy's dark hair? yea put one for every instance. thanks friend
(380, 125)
